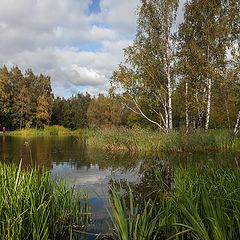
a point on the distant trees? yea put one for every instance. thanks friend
(25, 99)
(71, 113)
(105, 111)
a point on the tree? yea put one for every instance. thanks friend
(147, 75)
(4, 96)
(205, 37)
(21, 97)
(44, 101)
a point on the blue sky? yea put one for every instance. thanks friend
(94, 6)
(76, 42)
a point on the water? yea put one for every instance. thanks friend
(92, 169)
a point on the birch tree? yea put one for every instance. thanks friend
(204, 38)
(147, 73)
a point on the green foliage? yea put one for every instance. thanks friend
(35, 207)
(129, 221)
(201, 203)
(146, 140)
(47, 131)
(26, 100)
(147, 74)
(205, 40)
(71, 113)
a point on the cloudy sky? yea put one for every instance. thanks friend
(77, 42)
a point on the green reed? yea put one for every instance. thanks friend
(131, 222)
(147, 140)
(201, 203)
(32, 206)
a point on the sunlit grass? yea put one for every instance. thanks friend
(32, 206)
(147, 140)
(201, 204)
(133, 140)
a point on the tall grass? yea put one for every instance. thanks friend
(200, 204)
(32, 206)
(129, 221)
(207, 202)
(132, 140)
(138, 139)
(46, 131)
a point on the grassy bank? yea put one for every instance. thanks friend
(148, 140)
(47, 131)
(138, 139)
(199, 204)
(32, 206)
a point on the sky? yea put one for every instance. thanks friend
(78, 43)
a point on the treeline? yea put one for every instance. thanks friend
(25, 99)
(172, 77)
(83, 110)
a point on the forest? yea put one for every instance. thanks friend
(173, 76)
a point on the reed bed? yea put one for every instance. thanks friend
(146, 140)
(143, 140)
(46, 131)
(32, 206)
(200, 204)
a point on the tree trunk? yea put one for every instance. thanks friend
(236, 129)
(170, 124)
(186, 107)
(228, 115)
(209, 92)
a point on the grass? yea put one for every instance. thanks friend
(133, 223)
(145, 140)
(47, 131)
(32, 206)
(201, 204)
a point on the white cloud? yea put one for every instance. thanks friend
(61, 38)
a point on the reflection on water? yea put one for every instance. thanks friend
(92, 169)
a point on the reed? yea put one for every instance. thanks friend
(201, 203)
(32, 206)
(46, 131)
(130, 221)
(143, 140)
(146, 140)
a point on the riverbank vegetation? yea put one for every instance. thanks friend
(147, 140)
(197, 203)
(142, 139)
(33, 206)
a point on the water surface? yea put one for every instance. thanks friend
(92, 169)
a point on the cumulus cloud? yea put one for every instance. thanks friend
(77, 47)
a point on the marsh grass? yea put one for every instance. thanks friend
(32, 206)
(146, 140)
(47, 131)
(201, 204)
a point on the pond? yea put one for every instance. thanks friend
(93, 169)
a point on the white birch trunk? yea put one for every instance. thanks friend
(166, 117)
(209, 92)
(170, 124)
(236, 128)
(186, 107)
